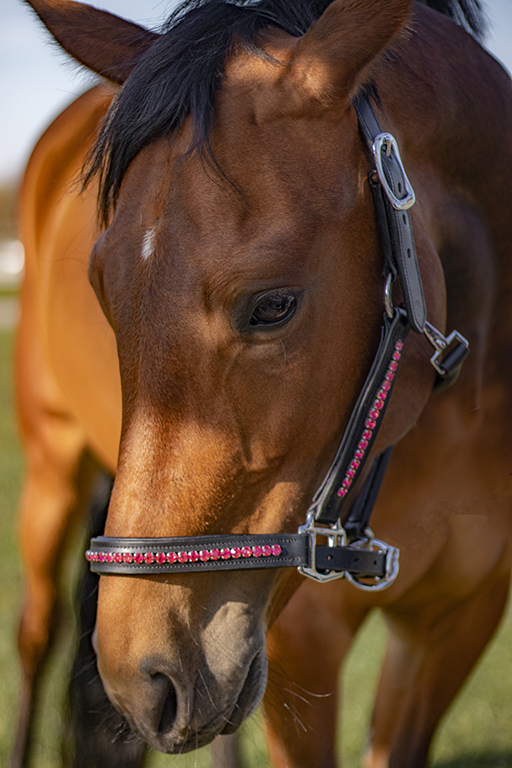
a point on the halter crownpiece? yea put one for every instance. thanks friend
(324, 549)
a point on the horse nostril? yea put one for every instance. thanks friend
(170, 703)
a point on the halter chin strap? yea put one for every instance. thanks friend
(323, 548)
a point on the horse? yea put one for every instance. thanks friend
(242, 276)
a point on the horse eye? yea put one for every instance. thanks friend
(274, 308)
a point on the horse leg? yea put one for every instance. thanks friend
(55, 445)
(95, 733)
(424, 668)
(306, 647)
(225, 751)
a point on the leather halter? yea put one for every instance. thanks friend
(323, 548)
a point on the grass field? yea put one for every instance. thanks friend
(477, 732)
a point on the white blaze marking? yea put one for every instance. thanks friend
(148, 242)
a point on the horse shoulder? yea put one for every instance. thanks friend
(59, 228)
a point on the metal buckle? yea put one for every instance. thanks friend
(388, 142)
(336, 537)
(441, 344)
(392, 564)
(388, 298)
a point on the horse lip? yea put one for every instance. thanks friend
(249, 698)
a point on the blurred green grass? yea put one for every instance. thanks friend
(476, 733)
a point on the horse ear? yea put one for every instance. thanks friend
(101, 41)
(331, 58)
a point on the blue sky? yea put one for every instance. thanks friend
(37, 80)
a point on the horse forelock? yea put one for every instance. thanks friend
(179, 75)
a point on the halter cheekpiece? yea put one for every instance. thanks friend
(323, 548)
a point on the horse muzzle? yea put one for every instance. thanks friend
(178, 691)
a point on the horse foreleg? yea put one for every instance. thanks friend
(225, 751)
(306, 647)
(54, 445)
(424, 668)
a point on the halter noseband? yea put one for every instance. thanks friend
(323, 548)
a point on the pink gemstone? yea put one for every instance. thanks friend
(354, 464)
(374, 414)
(378, 405)
(256, 551)
(266, 551)
(367, 434)
(371, 424)
(88, 556)
(214, 554)
(350, 474)
(389, 376)
(359, 454)
(149, 558)
(393, 366)
(193, 556)
(342, 492)
(204, 555)
(139, 557)
(95, 557)
(236, 552)
(128, 557)
(183, 557)
(171, 557)
(386, 386)
(225, 554)
(110, 557)
(396, 356)
(382, 394)
(246, 552)
(399, 345)
(363, 444)
(276, 550)
(160, 557)
(118, 557)
(346, 483)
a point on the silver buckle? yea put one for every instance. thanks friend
(388, 142)
(441, 344)
(336, 537)
(392, 564)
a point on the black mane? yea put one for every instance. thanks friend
(179, 74)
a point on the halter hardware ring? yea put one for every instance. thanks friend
(387, 142)
(388, 298)
(335, 536)
(372, 544)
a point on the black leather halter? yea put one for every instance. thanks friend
(323, 548)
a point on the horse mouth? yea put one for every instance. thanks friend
(225, 722)
(250, 695)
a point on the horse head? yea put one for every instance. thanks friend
(241, 272)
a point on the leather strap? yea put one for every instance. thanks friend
(327, 503)
(395, 225)
(358, 519)
(193, 554)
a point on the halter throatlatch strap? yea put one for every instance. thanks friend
(323, 548)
